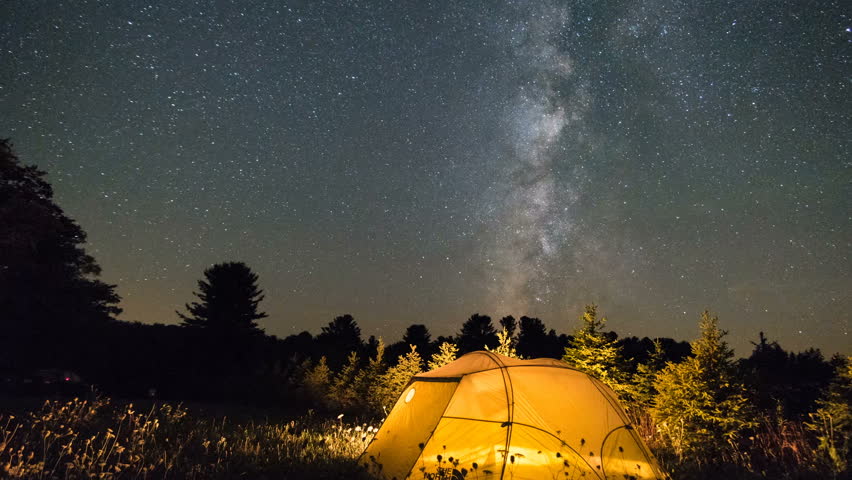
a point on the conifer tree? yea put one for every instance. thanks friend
(316, 382)
(641, 389)
(505, 346)
(701, 408)
(476, 333)
(393, 381)
(447, 352)
(342, 392)
(832, 421)
(229, 297)
(368, 377)
(592, 351)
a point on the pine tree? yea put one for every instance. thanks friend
(341, 336)
(316, 383)
(394, 380)
(476, 333)
(342, 393)
(641, 389)
(368, 377)
(229, 299)
(701, 408)
(832, 421)
(506, 345)
(447, 352)
(592, 351)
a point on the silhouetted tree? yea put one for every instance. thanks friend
(340, 337)
(510, 324)
(229, 299)
(371, 346)
(476, 333)
(786, 382)
(419, 336)
(532, 338)
(50, 301)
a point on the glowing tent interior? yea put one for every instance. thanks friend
(488, 416)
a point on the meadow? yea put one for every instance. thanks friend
(105, 439)
(110, 440)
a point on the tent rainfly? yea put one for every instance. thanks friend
(486, 416)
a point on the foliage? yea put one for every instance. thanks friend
(592, 351)
(316, 382)
(509, 324)
(476, 333)
(81, 439)
(342, 391)
(390, 384)
(447, 352)
(229, 299)
(832, 421)
(701, 409)
(505, 346)
(366, 379)
(531, 336)
(419, 336)
(534, 341)
(341, 336)
(786, 383)
(49, 294)
(641, 389)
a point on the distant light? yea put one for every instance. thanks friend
(67, 379)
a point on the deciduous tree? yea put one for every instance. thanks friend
(50, 297)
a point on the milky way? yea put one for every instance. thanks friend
(415, 162)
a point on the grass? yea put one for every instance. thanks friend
(105, 440)
(100, 439)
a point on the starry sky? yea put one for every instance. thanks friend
(419, 161)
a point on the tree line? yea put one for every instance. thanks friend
(690, 400)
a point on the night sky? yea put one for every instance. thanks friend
(416, 162)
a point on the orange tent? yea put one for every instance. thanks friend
(487, 416)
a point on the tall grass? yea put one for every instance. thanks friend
(99, 439)
(776, 449)
(105, 440)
